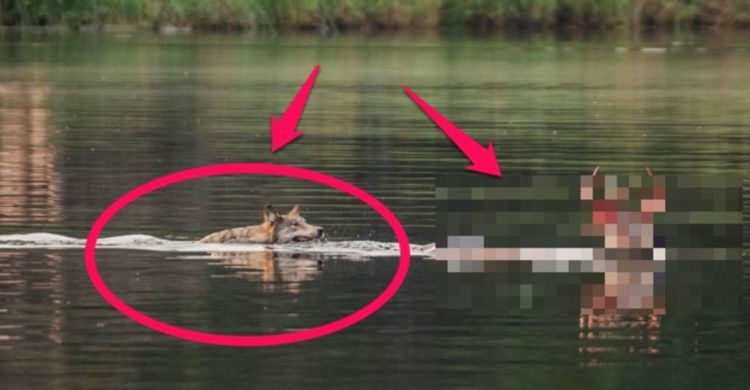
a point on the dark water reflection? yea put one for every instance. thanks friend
(84, 118)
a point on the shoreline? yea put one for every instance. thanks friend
(169, 29)
(646, 40)
(366, 17)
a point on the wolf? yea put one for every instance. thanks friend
(275, 229)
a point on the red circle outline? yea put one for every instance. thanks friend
(247, 340)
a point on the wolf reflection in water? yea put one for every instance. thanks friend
(275, 271)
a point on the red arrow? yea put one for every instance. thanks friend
(483, 160)
(284, 130)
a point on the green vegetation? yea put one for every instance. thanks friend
(379, 14)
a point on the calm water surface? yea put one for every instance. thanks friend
(84, 118)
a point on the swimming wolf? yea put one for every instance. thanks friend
(275, 229)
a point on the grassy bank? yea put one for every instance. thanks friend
(380, 14)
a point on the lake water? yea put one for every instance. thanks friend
(84, 118)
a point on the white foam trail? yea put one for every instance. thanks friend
(151, 243)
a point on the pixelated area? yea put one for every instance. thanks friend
(615, 237)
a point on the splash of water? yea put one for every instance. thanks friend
(151, 243)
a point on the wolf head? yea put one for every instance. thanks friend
(290, 227)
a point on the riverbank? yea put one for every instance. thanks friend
(364, 15)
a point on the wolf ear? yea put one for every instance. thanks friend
(269, 214)
(294, 212)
